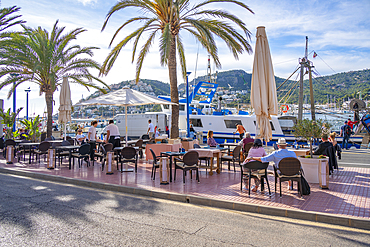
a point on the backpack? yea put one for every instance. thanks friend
(347, 130)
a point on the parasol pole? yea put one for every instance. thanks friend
(126, 122)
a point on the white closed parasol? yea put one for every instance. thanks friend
(65, 105)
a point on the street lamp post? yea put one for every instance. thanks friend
(187, 104)
(14, 99)
(27, 91)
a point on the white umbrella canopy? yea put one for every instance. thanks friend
(263, 89)
(125, 97)
(65, 104)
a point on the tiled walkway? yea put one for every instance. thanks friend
(348, 194)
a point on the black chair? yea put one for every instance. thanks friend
(128, 155)
(43, 149)
(2, 143)
(234, 158)
(145, 137)
(43, 136)
(251, 171)
(289, 170)
(83, 153)
(188, 163)
(22, 150)
(155, 165)
(71, 141)
(139, 144)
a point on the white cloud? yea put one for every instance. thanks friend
(86, 2)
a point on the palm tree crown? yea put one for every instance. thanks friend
(8, 19)
(44, 58)
(168, 18)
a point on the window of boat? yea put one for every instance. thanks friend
(231, 124)
(272, 125)
(196, 122)
(182, 107)
(166, 107)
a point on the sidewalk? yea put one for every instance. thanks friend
(346, 202)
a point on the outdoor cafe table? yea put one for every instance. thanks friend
(29, 145)
(162, 147)
(210, 153)
(300, 152)
(228, 145)
(70, 149)
(170, 155)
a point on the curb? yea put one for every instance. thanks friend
(198, 200)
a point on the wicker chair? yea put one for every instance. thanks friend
(289, 169)
(251, 171)
(83, 153)
(103, 153)
(42, 150)
(188, 163)
(234, 158)
(139, 144)
(246, 148)
(128, 155)
(155, 165)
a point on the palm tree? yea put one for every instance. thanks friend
(44, 58)
(8, 19)
(169, 17)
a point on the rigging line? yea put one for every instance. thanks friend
(196, 66)
(287, 79)
(326, 63)
(285, 61)
(288, 92)
(295, 88)
(293, 81)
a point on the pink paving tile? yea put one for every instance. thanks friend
(348, 194)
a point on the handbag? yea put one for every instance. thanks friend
(305, 186)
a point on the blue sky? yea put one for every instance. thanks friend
(339, 32)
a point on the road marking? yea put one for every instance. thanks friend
(358, 164)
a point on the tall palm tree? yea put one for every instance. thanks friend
(44, 58)
(169, 17)
(8, 19)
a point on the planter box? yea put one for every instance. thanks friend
(313, 168)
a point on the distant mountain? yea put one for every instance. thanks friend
(341, 85)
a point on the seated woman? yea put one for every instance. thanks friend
(210, 140)
(256, 151)
(80, 138)
(335, 144)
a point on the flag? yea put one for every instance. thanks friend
(314, 54)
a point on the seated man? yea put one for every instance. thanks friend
(321, 149)
(277, 155)
(246, 140)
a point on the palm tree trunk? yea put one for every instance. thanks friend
(49, 108)
(174, 91)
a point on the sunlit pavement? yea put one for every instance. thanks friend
(348, 193)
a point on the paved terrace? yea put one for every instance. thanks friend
(348, 194)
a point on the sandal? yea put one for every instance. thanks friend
(254, 189)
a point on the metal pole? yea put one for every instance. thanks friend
(27, 91)
(300, 99)
(187, 104)
(313, 117)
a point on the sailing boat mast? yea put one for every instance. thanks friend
(304, 62)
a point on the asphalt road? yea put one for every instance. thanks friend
(355, 158)
(39, 213)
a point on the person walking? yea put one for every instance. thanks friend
(240, 129)
(345, 132)
(113, 135)
(150, 129)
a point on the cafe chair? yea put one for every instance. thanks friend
(139, 144)
(22, 150)
(189, 162)
(251, 170)
(42, 150)
(71, 141)
(289, 170)
(246, 149)
(235, 157)
(83, 153)
(155, 164)
(104, 149)
(128, 155)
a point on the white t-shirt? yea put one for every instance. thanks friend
(79, 137)
(151, 127)
(113, 130)
(92, 133)
(157, 134)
